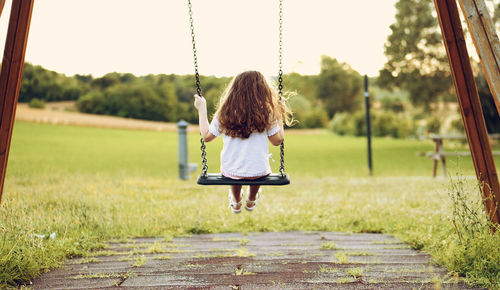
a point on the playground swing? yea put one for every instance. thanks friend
(217, 178)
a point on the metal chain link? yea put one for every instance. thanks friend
(280, 82)
(204, 167)
(282, 158)
(280, 72)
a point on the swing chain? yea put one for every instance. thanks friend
(280, 81)
(204, 167)
(282, 158)
(280, 72)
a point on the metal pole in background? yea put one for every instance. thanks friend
(368, 127)
(183, 150)
(185, 168)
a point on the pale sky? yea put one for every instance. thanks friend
(152, 36)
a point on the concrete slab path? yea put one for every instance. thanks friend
(274, 260)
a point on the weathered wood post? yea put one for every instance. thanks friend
(11, 74)
(470, 107)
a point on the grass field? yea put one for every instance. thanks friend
(88, 185)
(39, 149)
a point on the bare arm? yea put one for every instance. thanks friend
(277, 138)
(201, 105)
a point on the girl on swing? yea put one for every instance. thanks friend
(249, 113)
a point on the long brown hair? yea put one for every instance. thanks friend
(250, 104)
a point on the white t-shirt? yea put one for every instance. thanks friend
(245, 157)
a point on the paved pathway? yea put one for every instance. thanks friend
(276, 260)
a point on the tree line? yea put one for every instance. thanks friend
(169, 97)
(152, 97)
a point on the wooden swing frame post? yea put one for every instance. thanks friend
(2, 4)
(486, 42)
(11, 74)
(470, 106)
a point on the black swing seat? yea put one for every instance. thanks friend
(218, 179)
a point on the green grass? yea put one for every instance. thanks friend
(38, 149)
(328, 246)
(90, 185)
(356, 273)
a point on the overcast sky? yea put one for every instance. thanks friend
(152, 36)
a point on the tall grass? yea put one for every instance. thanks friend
(89, 185)
(472, 251)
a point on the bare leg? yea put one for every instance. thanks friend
(253, 192)
(236, 189)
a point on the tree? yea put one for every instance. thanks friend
(305, 85)
(339, 86)
(490, 113)
(47, 85)
(417, 60)
(140, 100)
(496, 14)
(106, 81)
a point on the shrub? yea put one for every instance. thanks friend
(345, 123)
(383, 124)
(37, 103)
(434, 124)
(89, 102)
(389, 124)
(139, 101)
(393, 104)
(406, 127)
(300, 106)
(360, 123)
(342, 124)
(316, 118)
(457, 126)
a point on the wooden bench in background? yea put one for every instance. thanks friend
(440, 154)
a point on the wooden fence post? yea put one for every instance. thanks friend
(486, 42)
(11, 74)
(470, 107)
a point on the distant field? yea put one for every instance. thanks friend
(64, 113)
(88, 185)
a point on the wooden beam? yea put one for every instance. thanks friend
(486, 42)
(2, 4)
(11, 74)
(470, 107)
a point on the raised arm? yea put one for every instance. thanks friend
(201, 105)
